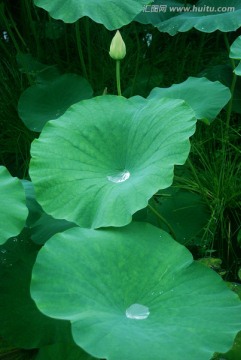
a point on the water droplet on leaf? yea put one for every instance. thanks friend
(119, 177)
(137, 312)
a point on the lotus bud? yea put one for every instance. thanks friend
(117, 47)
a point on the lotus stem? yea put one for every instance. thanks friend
(80, 50)
(118, 77)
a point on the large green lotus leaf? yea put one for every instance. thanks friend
(174, 20)
(14, 212)
(50, 99)
(104, 158)
(197, 93)
(63, 351)
(113, 14)
(22, 324)
(134, 293)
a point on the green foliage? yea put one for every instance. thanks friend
(63, 351)
(110, 13)
(8, 352)
(132, 306)
(49, 99)
(213, 171)
(203, 19)
(224, 74)
(112, 146)
(90, 227)
(235, 53)
(184, 211)
(15, 139)
(13, 208)
(194, 91)
(21, 322)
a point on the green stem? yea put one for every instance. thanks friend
(31, 23)
(137, 60)
(80, 50)
(172, 232)
(16, 30)
(87, 30)
(118, 77)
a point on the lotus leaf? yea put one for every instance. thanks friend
(134, 293)
(104, 158)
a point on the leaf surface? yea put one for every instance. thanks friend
(14, 212)
(113, 14)
(48, 100)
(134, 288)
(105, 157)
(198, 93)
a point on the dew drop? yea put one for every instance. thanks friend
(3, 251)
(137, 312)
(119, 177)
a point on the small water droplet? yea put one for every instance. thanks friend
(3, 251)
(137, 312)
(119, 177)
(15, 239)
